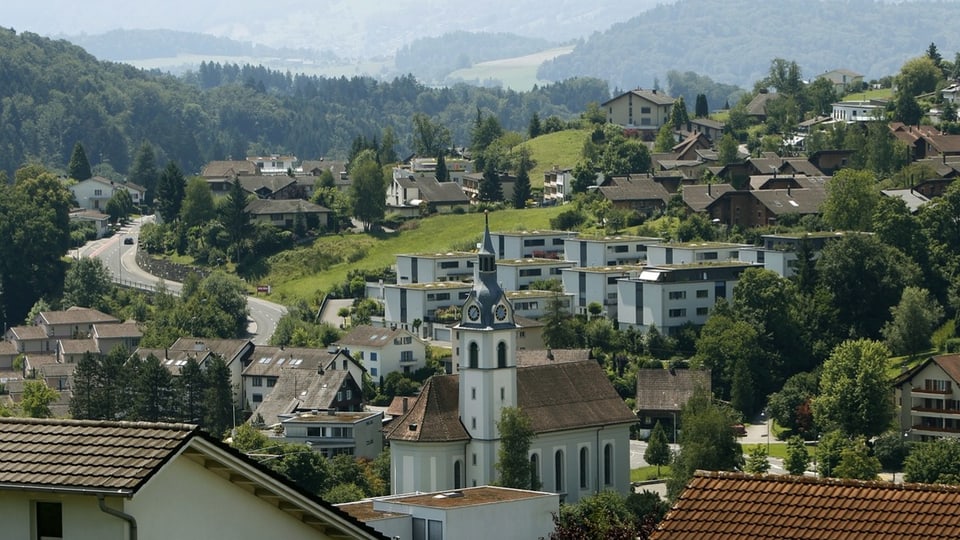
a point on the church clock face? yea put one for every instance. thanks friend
(500, 312)
(473, 312)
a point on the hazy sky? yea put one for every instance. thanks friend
(355, 27)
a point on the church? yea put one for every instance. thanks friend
(448, 438)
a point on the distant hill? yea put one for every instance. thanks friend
(734, 41)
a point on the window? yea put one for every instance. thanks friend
(703, 311)
(584, 481)
(534, 242)
(678, 295)
(457, 475)
(314, 432)
(709, 256)
(474, 355)
(608, 464)
(49, 520)
(257, 398)
(703, 293)
(419, 529)
(528, 272)
(406, 356)
(97, 192)
(349, 394)
(474, 459)
(502, 393)
(473, 393)
(558, 471)
(373, 372)
(473, 422)
(534, 471)
(501, 355)
(257, 381)
(674, 313)
(621, 249)
(612, 280)
(373, 357)
(450, 264)
(644, 110)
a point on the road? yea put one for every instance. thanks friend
(121, 260)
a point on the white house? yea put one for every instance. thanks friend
(431, 267)
(519, 274)
(384, 350)
(93, 193)
(530, 244)
(275, 164)
(477, 513)
(613, 250)
(858, 111)
(449, 438)
(589, 284)
(639, 109)
(332, 432)
(928, 395)
(557, 185)
(670, 296)
(95, 480)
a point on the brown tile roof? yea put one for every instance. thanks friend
(80, 454)
(698, 197)
(635, 189)
(272, 361)
(78, 346)
(668, 389)
(720, 505)
(122, 330)
(264, 207)
(7, 348)
(268, 184)
(653, 96)
(370, 336)
(227, 169)
(949, 363)
(434, 416)
(229, 349)
(758, 105)
(945, 144)
(791, 201)
(25, 333)
(569, 396)
(76, 315)
(543, 357)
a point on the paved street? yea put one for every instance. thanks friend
(120, 259)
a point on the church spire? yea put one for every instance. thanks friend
(487, 259)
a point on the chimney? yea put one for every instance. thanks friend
(709, 191)
(405, 404)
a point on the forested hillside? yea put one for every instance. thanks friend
(54, 94)
(733, 41)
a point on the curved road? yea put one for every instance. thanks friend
(121, 260)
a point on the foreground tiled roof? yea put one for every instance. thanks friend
(727, 506)
(79, 454)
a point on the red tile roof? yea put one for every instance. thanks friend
(720, 506)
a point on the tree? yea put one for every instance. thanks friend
(521, 187)
(442, 173)
(891, 449)
(343, 493)
(854, 390)
(906, 109)
(198, 207)
(513, 462)
(171, 188)
(701, 108)
(153, 391)
(846, 264)
(918, 76)
(87, 284)
(119, 206)
(429, 138)
(665, 141)
(678, 114)
(248, 439)
(144, 172)
(486, 129)
(913, 322)
(829, 449)
(851, 199)
(624, 156)
(368, 191)
(757, 462)
(304, 467)
(790, 406)
(236, 218)
(728, 151)
(490, 188)
(658, 450)
(797, 456)
(83, 405)
(218, 397)
(534, 129)
(79, 166)
(857, 463)
(708, 441)
(603, 515)
(191, 392)
(36, 399)
(934, 462)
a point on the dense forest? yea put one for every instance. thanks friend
(55, 94)
(732, 41)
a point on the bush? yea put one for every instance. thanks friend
(568, 220)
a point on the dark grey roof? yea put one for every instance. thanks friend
(258, 207)
(698, 197)
(668, 389)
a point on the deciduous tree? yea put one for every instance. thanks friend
(368, 190)
(913, 322)
(87, 284)
(513, 463)
(37, 398)
(854, 390)
(851, 198)
(797, 456)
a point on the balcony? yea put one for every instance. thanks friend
(930, 391)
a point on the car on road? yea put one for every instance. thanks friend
(128, 240)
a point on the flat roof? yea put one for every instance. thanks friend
(433, 285)
(467, 497)
(609, 269)
(535, 233)
(705, 245)
(535, 293)
(616, 238)
(439, 255)
(338, 417)
(534, 261)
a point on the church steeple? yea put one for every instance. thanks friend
(487, 306)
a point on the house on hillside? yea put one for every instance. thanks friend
(93, 193)
(784, 506)
(644, 110)
(928, 395)
(843, 80)
(757, 108)
(284, 214)
(411, 196)
(384, 350)
(637, 193)
(119, 480)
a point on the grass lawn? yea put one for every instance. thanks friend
(649, 473)
(561, 148)
(290, 276)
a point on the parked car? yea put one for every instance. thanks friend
(128, 240)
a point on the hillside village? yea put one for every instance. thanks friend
(787, 262)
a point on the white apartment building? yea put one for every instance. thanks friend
(670, 296)
(519, 274)
(530, 244)
(596, 284)
(432, 267)
(331, 432)
(608, 250)
(693, 252)
(405, 303)
(534, 304)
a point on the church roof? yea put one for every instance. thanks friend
(555, 396)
